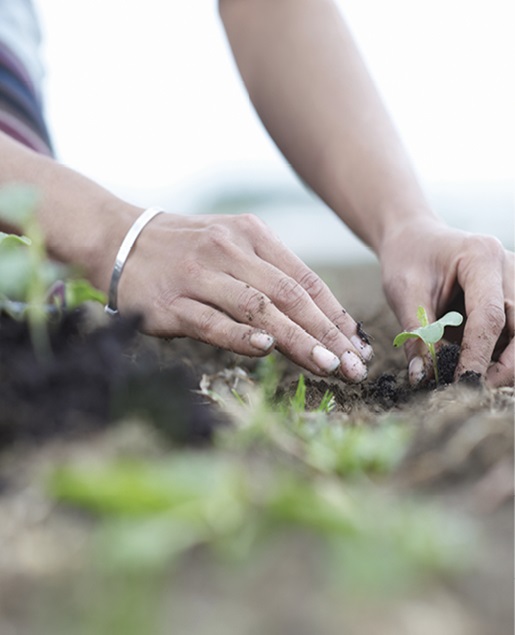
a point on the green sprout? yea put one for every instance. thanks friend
(298, 401)
(430, 333)
(30, 282)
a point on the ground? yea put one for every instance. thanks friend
(457, 459)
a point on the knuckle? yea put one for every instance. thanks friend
(495, 316)
(216, 237)
(332, 338)
(192, 269)
(206, 324)
(489, 245)
(312, 284)
(288, 293)
(251, 223)
(165, 299)
(252, 303)
(480, 358)
(289, 338)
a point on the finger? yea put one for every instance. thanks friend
(502, 372)
(283, 261)
(247, 305)
(207, 324)
(293, 300)
(484, 304)
(405, 301)
(289, 323)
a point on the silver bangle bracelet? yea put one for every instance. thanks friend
(111, 307)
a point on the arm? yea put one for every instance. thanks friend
(224, 280)
(310, 87)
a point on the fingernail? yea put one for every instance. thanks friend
(324, 359)
(353, 368)
(365, 350)
(262, 341)
(416, 371)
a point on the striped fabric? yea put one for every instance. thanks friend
(21, 113)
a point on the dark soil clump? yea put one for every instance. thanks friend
(471, 378)
(387, 392)
(447, 360)
(87, 381)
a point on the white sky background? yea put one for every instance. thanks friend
(145, 94)
(144, 97)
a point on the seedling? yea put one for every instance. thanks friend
(29, 281)
(298, 401)
(430, 333)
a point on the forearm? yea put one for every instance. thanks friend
(82, 222)
(312, 91)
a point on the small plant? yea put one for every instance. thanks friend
(298, 401)
(430, 333)
(30, 282)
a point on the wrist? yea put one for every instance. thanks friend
(91, 239)
(115, 218)
(124, 252)
(400, 226)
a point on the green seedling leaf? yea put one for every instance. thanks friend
(10, 241)
(422, 318)
(401, 338)
(453, 318)
(15, 273)
(298, 401)
(79, 291)
(429, 333)
(17, 204)
(328, 403)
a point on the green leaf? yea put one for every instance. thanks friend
(15, 273)
(430, 333)
(453, 318)
(80, 291)
(18, 204)
(298, 401)
(8, 241)
(402, 337)
(422, 316)
(328, 403)
(185, 483)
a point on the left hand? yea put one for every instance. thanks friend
(228, 281)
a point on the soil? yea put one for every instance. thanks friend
(101, 373)
(89, 380)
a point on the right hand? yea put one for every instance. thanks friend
(430, 264)
(228, 281)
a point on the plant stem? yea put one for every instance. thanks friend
(432, 350)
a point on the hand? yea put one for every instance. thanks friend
(430, 264)
(228, 281)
